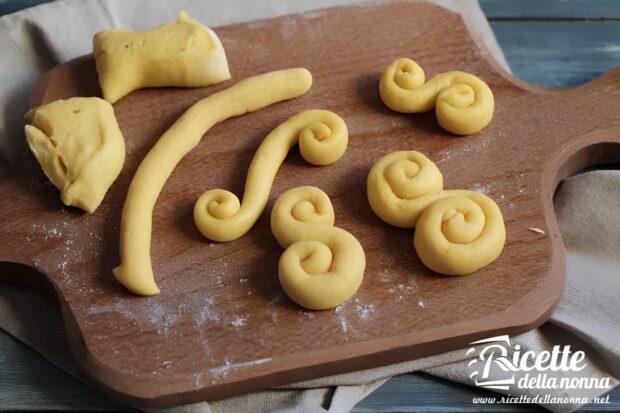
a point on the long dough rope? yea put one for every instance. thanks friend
(322, 137)
(457, 231)
(464, 103)
(322, 266)
(135, 271)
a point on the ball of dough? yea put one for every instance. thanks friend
(79, 146)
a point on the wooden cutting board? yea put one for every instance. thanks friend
(222, 325)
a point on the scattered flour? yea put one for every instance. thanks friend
(160, 314)
(483, 189)
(239, 321)
(207, 312)
(403, 291)
(344, 324)
(198, 380)
(365, 311)
(384, 275)
(48, 231)
(222, 372)
(62, 266)
(307, 314)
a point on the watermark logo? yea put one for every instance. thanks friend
(500, 366)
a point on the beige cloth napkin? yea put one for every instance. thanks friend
(588, 208)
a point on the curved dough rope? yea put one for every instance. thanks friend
(457, 231)
(464, 103)
(135, 271)
(322, 137)
(322, 265)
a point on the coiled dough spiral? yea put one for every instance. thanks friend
(457, 231)
(322, 137)
(322, 265)
(464, 103)
(251, 94)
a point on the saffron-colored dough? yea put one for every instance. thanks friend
(457, 231)
(458, 235)
(322, 137)
(251, 94)
(322, 266)
(401, 185)
(183, 53)
(464, 103)
(79, 146)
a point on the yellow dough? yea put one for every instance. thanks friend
(457, 231)
(80, 148)
(322, 266)
(401, 185)
(464, 103)
(183, 53)
(458, 235)
(254, 93)
(322, 137)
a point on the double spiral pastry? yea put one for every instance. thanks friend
(464, 103)
(322, 265)
(457, 231)
(322, 136)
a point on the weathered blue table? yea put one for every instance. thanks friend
(547, 42)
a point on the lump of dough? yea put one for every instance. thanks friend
(183, 53)
(80, 147)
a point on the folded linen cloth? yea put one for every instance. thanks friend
(587, 318)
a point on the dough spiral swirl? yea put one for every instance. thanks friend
(322, 137)
(251, 94)
(458, 235)
(464, 103)
(322, 265)
(457, 231)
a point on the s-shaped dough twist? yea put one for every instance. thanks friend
(322, 137)
(457, 231)
(322, 266)
(464, 103)
(251, 94)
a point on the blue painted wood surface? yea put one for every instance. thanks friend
(551, 9)
(547, 42)
(11, 6)
(559, 53)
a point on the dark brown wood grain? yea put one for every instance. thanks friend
(222, 325)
